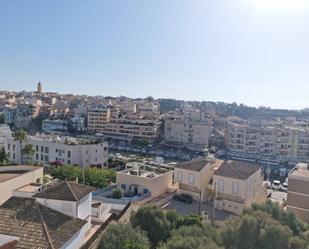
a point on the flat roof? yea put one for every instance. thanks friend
(30, 188)
(7, 176)
(300, 170)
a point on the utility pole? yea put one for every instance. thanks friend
(213, 205)
(84, 174)
(199, 204)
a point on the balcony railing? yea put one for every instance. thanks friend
(188, 187)
(230, 197)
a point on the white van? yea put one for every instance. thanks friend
(276, 185)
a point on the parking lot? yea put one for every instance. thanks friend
(277, 196)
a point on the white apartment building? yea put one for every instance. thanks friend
(269, 141)
(65, 150)
(97, 118)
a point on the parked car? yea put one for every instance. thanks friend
(276, 185)
(184, 198)
(284, 187)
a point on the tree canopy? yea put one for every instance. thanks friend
(124, 236)
(95, 177)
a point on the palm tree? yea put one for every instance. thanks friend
(3, 156)
(20, 136)
(28, 151)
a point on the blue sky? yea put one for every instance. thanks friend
(245, 51)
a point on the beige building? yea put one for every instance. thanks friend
(237, 185)
(137, 180)
(194, 177)
(15, 177)
(127, 128)
(97, 118)
(298, 192)
(267, 141)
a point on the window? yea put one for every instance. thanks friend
(191, 179)
(14, 156)
(69, 162)
(221, 185)
(42, 158)
(235, 188)
(42, 149)
(69, 154)
(46, 158)
(14, 147)
(37, 156)
(37, 148)
(9, 146)
(56, 150)
(46, 150)
(123, 186)
(179, 176)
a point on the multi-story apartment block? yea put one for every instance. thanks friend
(268, 141)
(298, 191)
(54, 125)
(97, 118)
(127, 129)
(65, 150)
(188, 132)
(237, 185)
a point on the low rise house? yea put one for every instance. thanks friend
(194, 176)
(298, 191)
(237, 185)
(14, 177)
(58, 217)
(69, 198)
(136, 179)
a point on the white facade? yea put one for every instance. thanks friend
(48, 149)
(80, 209)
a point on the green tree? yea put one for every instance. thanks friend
(98, 178)
(3, 156)
(275, 236)
(153, 221)
(28, 151)
(298, 243)
(247, 233)
(20, 136)
(190, 237)
(117, 193)
(2, 120)
(123, 236)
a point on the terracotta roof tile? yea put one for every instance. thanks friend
(37, 226)
(237, 169)
(67, 191)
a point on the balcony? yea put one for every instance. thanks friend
(188, 187)
(230, 197)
